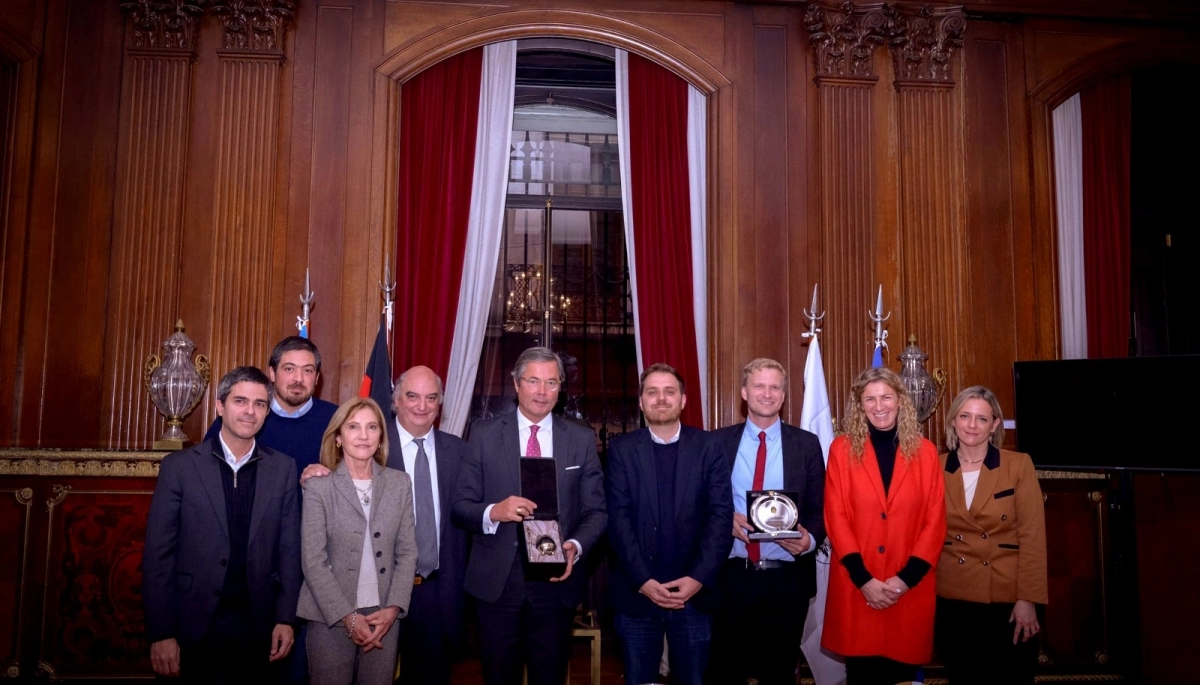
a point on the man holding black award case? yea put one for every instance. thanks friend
(531, 492)
(778, 479)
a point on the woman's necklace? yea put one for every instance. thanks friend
(365, 493)
(976, 461)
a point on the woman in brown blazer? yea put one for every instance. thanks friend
(992, 571)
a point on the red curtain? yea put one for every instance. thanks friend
(439, 112)
(658, 167)
(1106, 117)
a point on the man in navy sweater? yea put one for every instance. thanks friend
(297, 420)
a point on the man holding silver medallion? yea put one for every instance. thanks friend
(778, 480)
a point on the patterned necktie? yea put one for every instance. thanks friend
(760, 471)
(427, 542)
(533, 448)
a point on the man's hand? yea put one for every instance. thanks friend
(660, 595)
(513, 510)
(683, 589)
(164, 656)
(313, 471)
(796, 546)
(282, 639)
(741, 526)
(569, 552)
(878, 594)
(380, 623)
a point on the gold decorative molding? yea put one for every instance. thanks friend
(254, 25)
(163, 24)
(60, 494)
(922, 40)
(1043, 474)
(844, 38)
(21, 462)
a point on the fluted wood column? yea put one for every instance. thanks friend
(843, 39)
(148, 211)
(931, 229)
(244, 185)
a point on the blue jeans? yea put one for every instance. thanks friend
(688, 634)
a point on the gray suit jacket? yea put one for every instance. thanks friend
(187, 538)
(492, 473)
(332, 537)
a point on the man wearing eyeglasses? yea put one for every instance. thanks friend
(525, 621)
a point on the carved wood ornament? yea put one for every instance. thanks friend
(256, 25)
(164, 24)
(844, 37)
(922, 41)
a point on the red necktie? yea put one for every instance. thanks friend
(760, 470)
(533, 448)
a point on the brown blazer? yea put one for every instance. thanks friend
(996, 550)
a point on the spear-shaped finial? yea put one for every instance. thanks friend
(306, 300)
(813, 317)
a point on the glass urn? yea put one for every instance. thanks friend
(176, 384)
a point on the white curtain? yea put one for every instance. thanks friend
(485, 227)
(1068, 176)
(626, 192)
(697, 191)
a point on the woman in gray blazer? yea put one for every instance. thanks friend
(359, 552)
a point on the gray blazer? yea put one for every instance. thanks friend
(331, 540)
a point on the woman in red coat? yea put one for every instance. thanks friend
(886, 517)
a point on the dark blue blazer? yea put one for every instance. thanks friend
(703, 511)
(491, 473)
(449, 451)
(187, 536)
(804, 472)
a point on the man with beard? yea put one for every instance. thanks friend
(765, 580)
(669, 510)
(297, 420)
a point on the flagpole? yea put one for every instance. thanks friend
(388, 286)
(306, 300)
(880, 334)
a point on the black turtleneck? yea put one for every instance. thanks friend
(884, 442)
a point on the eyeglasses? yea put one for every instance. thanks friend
(549, 383)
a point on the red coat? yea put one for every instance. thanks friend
(911, 521)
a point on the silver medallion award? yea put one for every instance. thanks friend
(773, 514)
(543, 537)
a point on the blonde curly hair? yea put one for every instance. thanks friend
(854, 426)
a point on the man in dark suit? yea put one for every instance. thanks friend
(221, 565)
(669, 508)
(764, 581)
(524, 620)
(434, 626)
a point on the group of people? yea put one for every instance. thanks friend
(308, 542)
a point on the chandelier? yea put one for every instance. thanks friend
(525, 300)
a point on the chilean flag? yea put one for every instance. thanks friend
(377, 379)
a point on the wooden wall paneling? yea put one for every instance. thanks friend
(18, 97)
(843, 39)
(724, 205)
(152, 166)
(999, 305)
(16, 509)
(924, 43)
(327, 194)
(23, 21)
(63, 316)
(1166, 504)
(244, 185)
